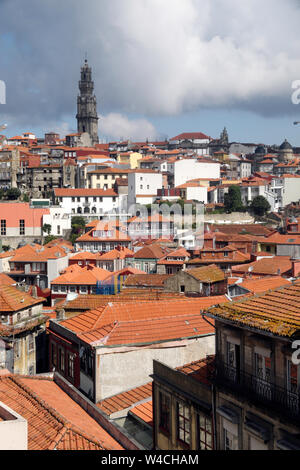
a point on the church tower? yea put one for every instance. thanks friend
(87, 118)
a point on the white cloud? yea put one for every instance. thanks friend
(119, 127)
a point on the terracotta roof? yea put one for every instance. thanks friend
(88, 275)
(128, 323)
(190, 136)
(207, 273)
(273, 266)
(264, 284)
(39, 255)
(146, 280)
(199, 370)
(277, 311)
(13, 300)
(91, 302)
(54, 420)
(140, 332)
(117, 235)
(252, 229)
(128, 270)
(6, 280)
(125, 399)
(280, 239)
(150, 252)
(143, 412)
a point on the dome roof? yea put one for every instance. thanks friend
(286, 146)
(260, 149)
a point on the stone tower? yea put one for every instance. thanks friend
(224, 139)
(87, 118)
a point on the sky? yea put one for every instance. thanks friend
(160, 67)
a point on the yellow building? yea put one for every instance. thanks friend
(130, 158)
(104, 178)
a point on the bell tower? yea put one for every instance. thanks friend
(87, 118)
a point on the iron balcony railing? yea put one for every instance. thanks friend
(258, 389)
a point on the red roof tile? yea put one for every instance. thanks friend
(47, 428)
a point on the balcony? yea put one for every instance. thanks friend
(257, 390)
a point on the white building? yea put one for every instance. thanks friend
(189, 169)
(143, 186)
(86, 202)
(59, 220)
(196, 141)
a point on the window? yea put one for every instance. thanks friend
(87, 362)
(3, 227)
(233, 360)
(83, 289)
(22, 226)
(55, 288)
(18, 348)
(292, 382)
(230, 441)
(164, 412)
(71, 365)
(61, 359)
(53, 353)
(204, 432)
(63, 288)
(31, 343)
(183, 423)
(58, 230)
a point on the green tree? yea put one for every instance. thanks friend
(13, 193)
(260, 206)
(77, 227)
(233, 199)
(47, 228)
(49, 239)
(25, 198)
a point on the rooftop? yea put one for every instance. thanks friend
(139, 323)
(13, 300)
(55, 421)
(146, 280)
(276, 311)
(207, 273)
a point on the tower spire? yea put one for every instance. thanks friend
(87, 117)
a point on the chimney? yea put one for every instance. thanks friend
(34, 292)
(295, 267)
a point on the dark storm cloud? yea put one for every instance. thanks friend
(149, 57)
